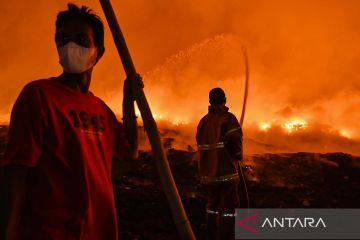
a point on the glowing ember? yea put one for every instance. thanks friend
(345, 133)
(265, 126)
(295, 125)
(176, 121)
(179, 122)
(158, 116)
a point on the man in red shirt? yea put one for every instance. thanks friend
(56, 172)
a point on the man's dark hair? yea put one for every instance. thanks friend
(82, 13)
(217, 96)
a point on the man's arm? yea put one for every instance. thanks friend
(12, 198)
(234, 139)
(234, 144)
(129, 118)
(130, 126)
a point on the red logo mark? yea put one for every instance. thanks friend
(251, 218)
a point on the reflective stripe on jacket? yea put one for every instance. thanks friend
(219, 139)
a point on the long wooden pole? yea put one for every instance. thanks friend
(181, 221)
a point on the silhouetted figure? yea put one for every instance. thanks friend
(219, 139)
(56, 172)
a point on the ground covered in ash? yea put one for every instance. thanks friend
(301, 180)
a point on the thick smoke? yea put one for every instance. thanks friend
(303, 62)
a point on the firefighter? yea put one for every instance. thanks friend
(219, 139)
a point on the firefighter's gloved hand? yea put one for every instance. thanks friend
(128, 91)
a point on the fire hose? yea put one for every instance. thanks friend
(246, 90)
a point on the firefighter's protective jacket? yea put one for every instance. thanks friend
(219, 139)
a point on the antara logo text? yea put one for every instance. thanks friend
(249, 223)
(293, 222)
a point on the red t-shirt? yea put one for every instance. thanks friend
(69, 139)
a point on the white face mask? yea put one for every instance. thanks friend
(75, 58)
